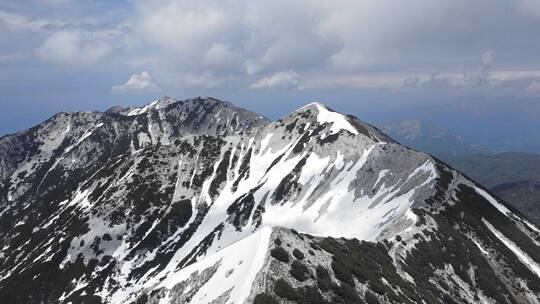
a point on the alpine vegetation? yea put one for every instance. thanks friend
(199, 201)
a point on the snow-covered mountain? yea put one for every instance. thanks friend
(198, 201)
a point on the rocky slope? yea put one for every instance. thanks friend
(198, 201)
(513, 176)
(524, 196)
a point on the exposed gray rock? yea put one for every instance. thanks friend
(173, 203)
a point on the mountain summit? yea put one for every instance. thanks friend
(199, 201)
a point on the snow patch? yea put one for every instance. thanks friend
(157, 104)
(493, 201)
(338, 121)
(484, 251)
(522, 256)
(246, 257)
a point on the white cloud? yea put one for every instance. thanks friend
(219, 55)
(73, 48)
(137, 83)
(234, 44)
(187, 31)
(282, 80)
(258, 40)
(534, 86)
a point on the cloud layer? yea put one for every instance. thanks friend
(137, 83)
(287, 45)
(282, 80)
(73, 48)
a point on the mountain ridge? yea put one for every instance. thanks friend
(163, 206)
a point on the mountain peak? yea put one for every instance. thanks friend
(155, 105)
(133, 111)
(325, 115)
(200, 201)
(313, 105)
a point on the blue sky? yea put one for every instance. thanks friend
(468, 64)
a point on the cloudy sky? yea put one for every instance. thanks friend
(377, 59)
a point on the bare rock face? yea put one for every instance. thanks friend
(198, 201)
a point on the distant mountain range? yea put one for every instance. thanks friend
(524, 195)
(200, 201)
(514, 176)
(427, 136)
(495, 169)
